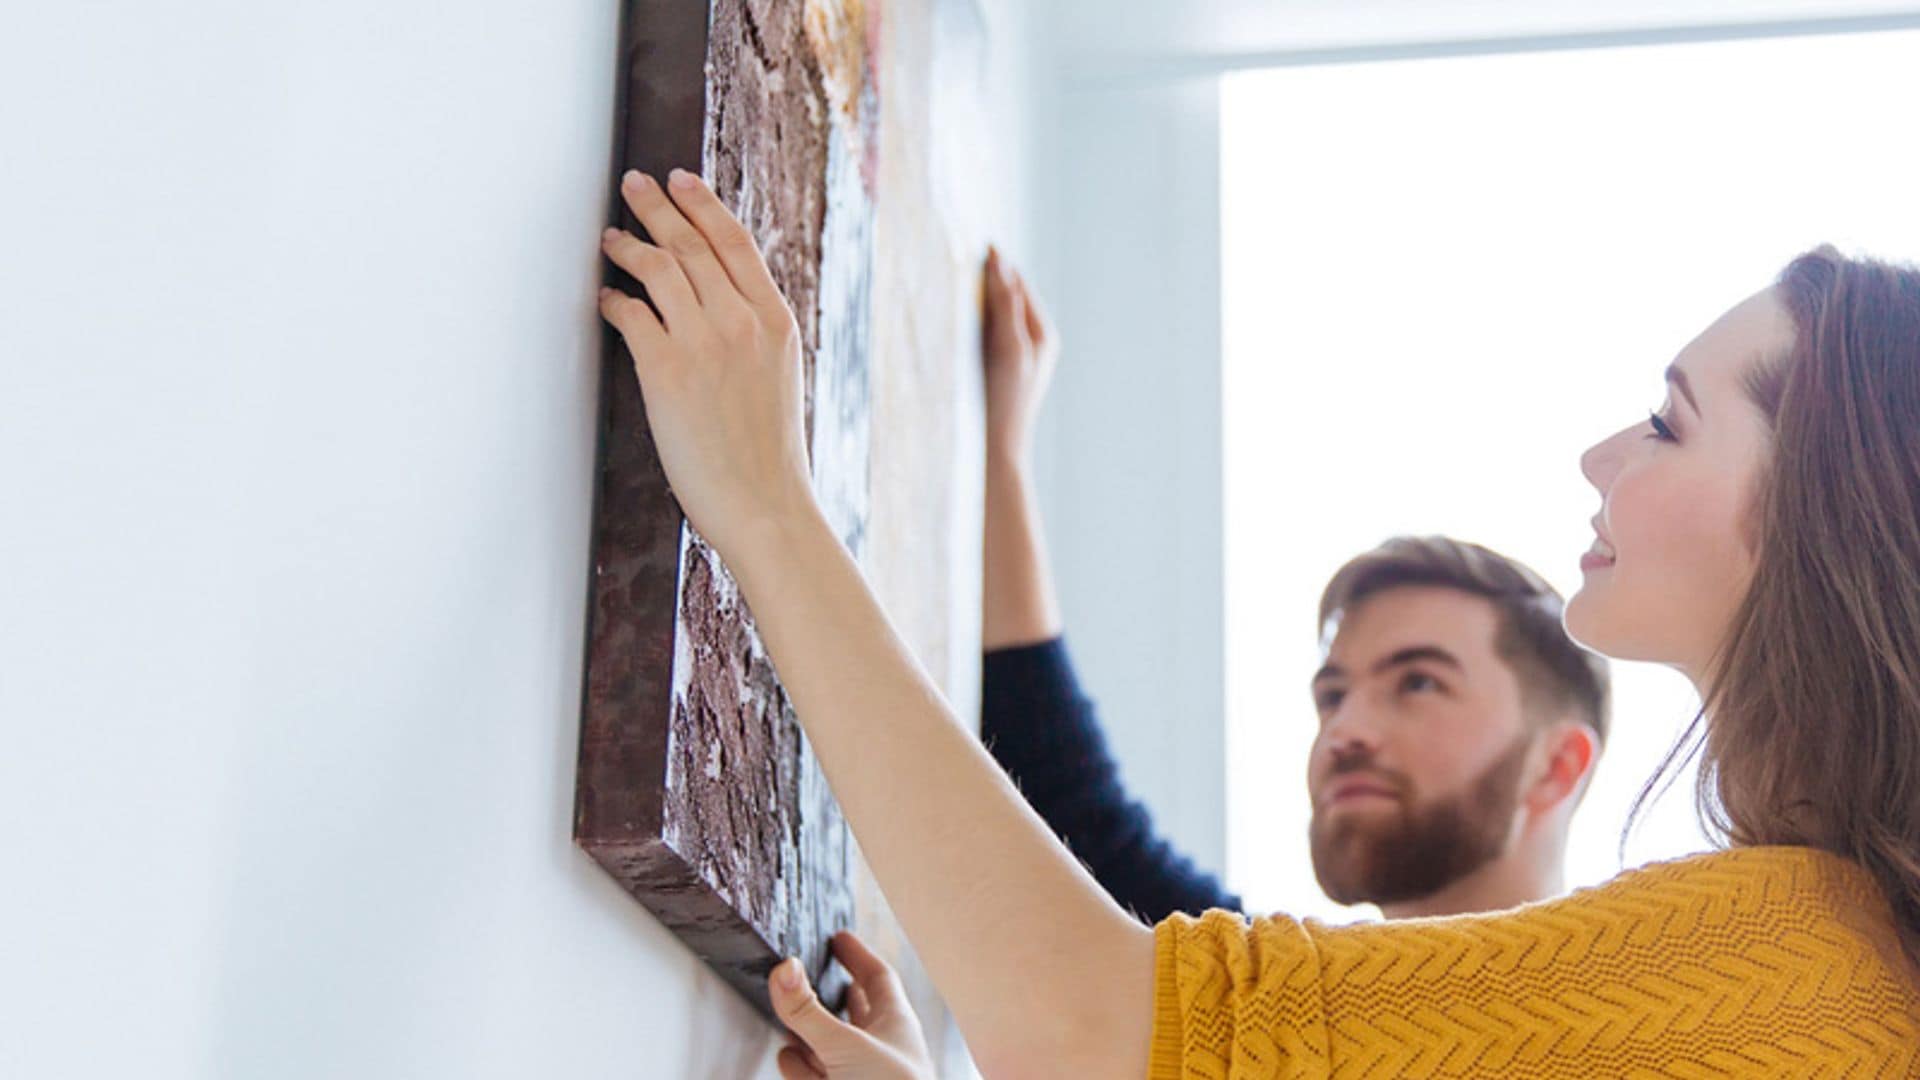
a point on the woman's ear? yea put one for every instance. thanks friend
(1571, 749)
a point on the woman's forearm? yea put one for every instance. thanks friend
(1042, 969)
(1019, 607)
(1047, 975)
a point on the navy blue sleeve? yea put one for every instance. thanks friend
(1044, 732)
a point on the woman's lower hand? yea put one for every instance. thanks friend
(718, 359)
(883, 1041)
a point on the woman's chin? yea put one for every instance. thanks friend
(1583, 620)
(1592, 626)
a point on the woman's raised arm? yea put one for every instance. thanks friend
(1046, 975)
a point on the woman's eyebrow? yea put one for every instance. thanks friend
(1679, 379)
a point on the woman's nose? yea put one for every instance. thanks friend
(1597, 464)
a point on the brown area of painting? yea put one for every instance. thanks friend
(695, 788)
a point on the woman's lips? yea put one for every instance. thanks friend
(1598, 556)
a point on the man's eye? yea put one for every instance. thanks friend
(1416, 679)
(1327, 701)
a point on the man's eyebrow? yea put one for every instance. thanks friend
(1403, 656)
(1679, 379)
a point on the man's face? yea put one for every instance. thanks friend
(1416, 771)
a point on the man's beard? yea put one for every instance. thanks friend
(1419, 852)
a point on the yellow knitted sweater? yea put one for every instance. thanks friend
(1757, 961)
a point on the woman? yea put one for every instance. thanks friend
(1758, 535)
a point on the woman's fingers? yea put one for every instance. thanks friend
(865, 965)
(637, 324)
(659, 271)
(795, 1003)
(729, 240)
(796, 1065)
(872, 975)
(672, 232)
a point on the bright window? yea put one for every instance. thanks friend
(1443, 280)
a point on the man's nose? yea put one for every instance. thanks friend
(1354, 728)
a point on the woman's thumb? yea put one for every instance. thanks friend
(799, 1008)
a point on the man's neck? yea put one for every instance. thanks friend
(1503, 883)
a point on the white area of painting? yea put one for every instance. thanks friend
(1445, 279)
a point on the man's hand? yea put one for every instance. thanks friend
(718, 362)
(1018, 348)
(882, 1043)
(1017, 351)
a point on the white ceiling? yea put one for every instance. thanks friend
(1097, 37)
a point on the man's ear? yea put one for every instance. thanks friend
(1571, 748)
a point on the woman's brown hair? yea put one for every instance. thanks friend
(1814, 736)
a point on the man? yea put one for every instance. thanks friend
(1458, 722)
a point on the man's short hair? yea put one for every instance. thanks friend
(1555, 673)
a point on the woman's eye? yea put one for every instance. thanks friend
(1660, 429)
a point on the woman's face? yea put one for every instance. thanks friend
(1671, 561)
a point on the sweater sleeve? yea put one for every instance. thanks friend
(1229, 995)
(1730, 964)
(1044, 732)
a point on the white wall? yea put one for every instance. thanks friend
(1129, 451)
(296, 430)
(298, 364)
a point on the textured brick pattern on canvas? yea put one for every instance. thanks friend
(1761, 961)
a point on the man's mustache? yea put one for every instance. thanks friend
(1343, 768)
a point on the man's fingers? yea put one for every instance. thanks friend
(999, 283)
(859, 1009)
(871, 974)
(1009, 319)
(795, 1065)
(1016, 313)
(1036, 319)
(998, 295)
(656, 269)
(672, 232)
(730, 241)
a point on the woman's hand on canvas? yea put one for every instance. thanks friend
(1018, 350)
(719, 370)
(718, 358)
(883, 1041)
